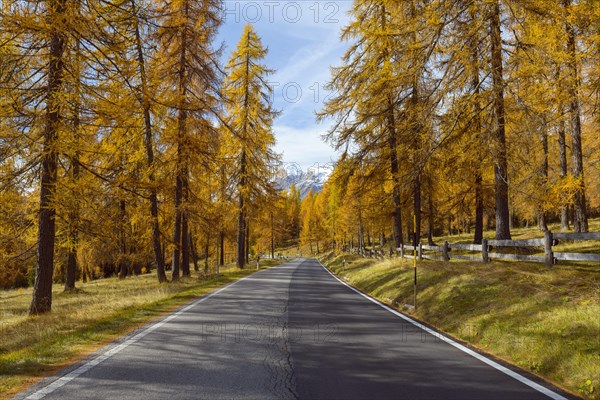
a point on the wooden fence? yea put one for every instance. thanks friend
(488, 250)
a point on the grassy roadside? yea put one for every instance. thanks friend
(544, 321)
(82, 321)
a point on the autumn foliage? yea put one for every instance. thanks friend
(127, 147)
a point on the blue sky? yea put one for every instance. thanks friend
(303, 42)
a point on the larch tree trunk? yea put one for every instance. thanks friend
(580, 222)
(242, 221)
(543, 225)
(221, 248)
(181, 169)
(71, 272)
(417, 127)
(499, 138)
(417, 207)
(175, 263)
(241, 228)
(430, 217)
(149, 147)
(123, 238)
(207, 253)
(272, 236)
(185, 243)
(247, 237)
(193, 252)
(477, 128)
(393, 149)
(562, 149)
(41, 301)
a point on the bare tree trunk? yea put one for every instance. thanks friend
(149, 145)
(499, 142)
(41, 301)
(580, 222)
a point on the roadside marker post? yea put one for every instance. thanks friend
(415, 259)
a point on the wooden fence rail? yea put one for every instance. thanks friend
(485, 248)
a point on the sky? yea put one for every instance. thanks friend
(303, 41)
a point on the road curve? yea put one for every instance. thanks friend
(289, 332)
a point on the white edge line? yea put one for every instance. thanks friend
(493, 364)
(41, 393)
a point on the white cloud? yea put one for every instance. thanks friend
(301, 53)
(303, 145)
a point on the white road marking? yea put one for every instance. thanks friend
(493, 364)
(40, 394)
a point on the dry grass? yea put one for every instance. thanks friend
(83, 320)
(545, 321)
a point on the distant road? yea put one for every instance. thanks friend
(289, 332)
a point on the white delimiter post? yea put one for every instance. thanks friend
(415, 260)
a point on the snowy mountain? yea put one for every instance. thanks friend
(313, 177)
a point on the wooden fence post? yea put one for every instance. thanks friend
(549, 255)
(420, 252)
(446, 249)
(484, 251)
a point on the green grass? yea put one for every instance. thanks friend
(84, 320)
(544, 321)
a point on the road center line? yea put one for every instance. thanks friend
(493, 364)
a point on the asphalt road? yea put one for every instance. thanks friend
(288, 332)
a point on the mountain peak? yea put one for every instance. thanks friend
(314, 177)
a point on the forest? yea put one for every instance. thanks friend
(465, 115)
(127, 148)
